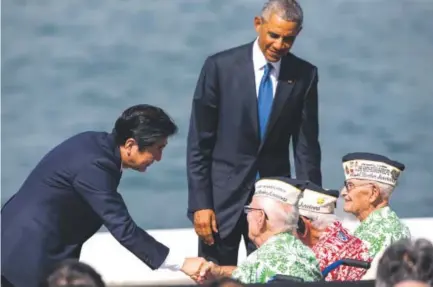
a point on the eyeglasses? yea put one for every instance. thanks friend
(248, 209)
(350, 186)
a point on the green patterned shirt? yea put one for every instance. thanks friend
(281, 254)
(380, 229)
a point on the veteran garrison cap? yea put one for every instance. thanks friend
(284, 189)
(314, 187)
(370, 166)
(317, 200)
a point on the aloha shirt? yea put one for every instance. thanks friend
(380, 229)
(281, 254)
(337, 243)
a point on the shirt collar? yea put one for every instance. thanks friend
(275, 237)
(377, 215)
(259, 60)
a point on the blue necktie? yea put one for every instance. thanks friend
(265, 102)
(265, 99)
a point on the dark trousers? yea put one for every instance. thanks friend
(224, 251)
(6, 283)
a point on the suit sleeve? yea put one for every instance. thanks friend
(306, 145)
(201, 138)
(97, 184)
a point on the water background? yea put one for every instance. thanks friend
(75, 65)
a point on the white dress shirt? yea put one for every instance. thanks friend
(174, 261)
(259, 62)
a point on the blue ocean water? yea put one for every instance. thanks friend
(70, 66)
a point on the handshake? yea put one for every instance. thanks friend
(200, 270)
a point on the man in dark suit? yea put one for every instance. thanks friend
(72, 192)
(248, 104)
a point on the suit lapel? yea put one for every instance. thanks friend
(286, 83)
(248, 92)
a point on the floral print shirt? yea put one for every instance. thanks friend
(337, 243)
(380, 229)
(281, 254)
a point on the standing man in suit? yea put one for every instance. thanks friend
(72, 192)
(250, 101)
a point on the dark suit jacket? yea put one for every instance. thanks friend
(224, 150)
(62, 203)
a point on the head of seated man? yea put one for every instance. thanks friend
(71, 272)
(272, 220)
(406, 263)
(320, 229)
(370, 181)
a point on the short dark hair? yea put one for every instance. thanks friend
(71, 272)
(288, 10)
(145, 124)
(406, 260)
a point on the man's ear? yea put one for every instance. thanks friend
(375, 196)
(258, 23)
(262, 220)
(129, 143)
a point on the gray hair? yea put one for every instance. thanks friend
(406, 260)
(385, 189)
(281, 217)
(288, 10)
(322, 222)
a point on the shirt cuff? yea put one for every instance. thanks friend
(173, 261)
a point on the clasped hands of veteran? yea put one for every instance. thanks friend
(209, 271)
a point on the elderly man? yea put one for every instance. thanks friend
(370, 180)
(272, 217)
(320, 229)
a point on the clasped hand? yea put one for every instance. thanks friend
(200, 270)
(205, 226)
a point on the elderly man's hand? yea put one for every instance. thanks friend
(204, 224)
(208, 271)
(192, 266)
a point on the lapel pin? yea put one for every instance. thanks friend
(290, 81)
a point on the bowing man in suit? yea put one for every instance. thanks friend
(249, 103)
(72, 192)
